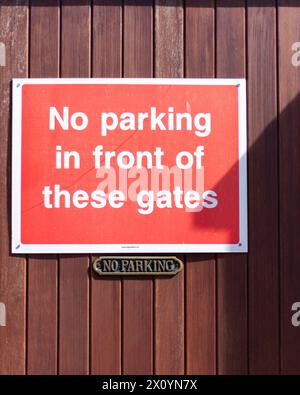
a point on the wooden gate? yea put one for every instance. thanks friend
(226, 313)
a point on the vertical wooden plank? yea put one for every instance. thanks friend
(137, 326)
(42, 271)
(107, 38)
(231, 268)
(44, 39)
(200, 269)
(14, 36)
(74, 270)
(289, 143)
(138, 293)
(75, 38)
(263, 189)
(106, 293)
(42, 315)
(199, 39)
(169, 293)
(138, 38)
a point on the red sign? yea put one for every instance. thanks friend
(139, 165)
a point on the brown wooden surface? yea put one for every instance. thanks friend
(106, 302)
(231, 268)
(14, 35)
(289, 160)
(200, 269)
(74, 273)
(226, 313)
(263, 190)
(42, 282)
(137, 303)
(169, 295)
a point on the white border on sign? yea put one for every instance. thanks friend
(18, 247)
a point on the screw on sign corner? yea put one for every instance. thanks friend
(2, 314)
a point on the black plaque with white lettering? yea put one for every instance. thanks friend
(137, 265)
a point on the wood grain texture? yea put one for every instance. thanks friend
(44, 39)
(137, 326)
(74, 271)
(263, 189)
(231, 268)
(73, 315)
(42, 298)
(42, 315)
(200, 268)
(14, 35)
(169, 293)
(75, 38)
(199, 39)
(289, 160)
(169, 27)
(138, 292)
(106, 305)
(200, 314)
(138, 39)
(107, 38)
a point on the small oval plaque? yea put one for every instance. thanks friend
(137, 265)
